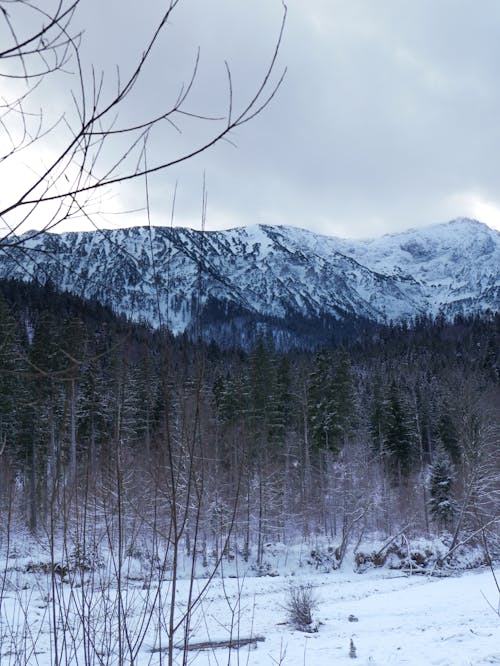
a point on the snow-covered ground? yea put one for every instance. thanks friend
(390, 617)
(400, 620)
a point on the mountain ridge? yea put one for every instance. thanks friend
(267, 276)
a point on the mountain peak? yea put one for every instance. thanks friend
(467, 221)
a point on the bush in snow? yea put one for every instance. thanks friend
(300, 604)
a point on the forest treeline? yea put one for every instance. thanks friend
(230, 449)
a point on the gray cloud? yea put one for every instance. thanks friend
(388, 117)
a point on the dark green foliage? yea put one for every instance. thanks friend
(331, 401)
(320, 407)
(92, 415)
(45, 357)
(378, 415)
(259, 395)
(146, 387)
(11, 365)
(448, 433)
(260, 384)
(399, 435)
(78, 383)
(218, 389)
(280, 401)
(343, 391)
(392, 427)
(232, 398)
(425, 409)
(441, 476)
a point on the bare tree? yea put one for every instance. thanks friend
(92, 148)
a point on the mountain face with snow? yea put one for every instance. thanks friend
(289, 282)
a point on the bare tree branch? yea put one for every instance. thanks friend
(69, 181)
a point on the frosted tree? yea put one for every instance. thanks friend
(441, 477)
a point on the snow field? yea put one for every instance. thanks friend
(417, 621)
(390, 617)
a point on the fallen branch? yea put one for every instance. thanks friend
(469, 537)
(232, 644)
(390, 541)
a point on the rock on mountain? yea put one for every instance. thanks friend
(292, 283)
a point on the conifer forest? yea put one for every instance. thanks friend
(228, 449)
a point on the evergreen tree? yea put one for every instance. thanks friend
(280, 402)
(378, 416)
(331, 402)
(122, 398)
(320, 405)
(44, 415)
(144, 383)
(218, 389)
(260, 386)
(93, 425)
(440, 488)
(448, 433)
(399, 435)
(73, 341)
(343, 398)
(425, 414)
(11, 380)
(233, 398)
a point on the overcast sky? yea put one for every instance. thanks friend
(388, 118)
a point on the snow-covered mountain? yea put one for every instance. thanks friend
(277, 278)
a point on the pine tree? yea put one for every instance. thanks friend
(260, 386)
(378, 416)
(10, 376)
(448, 433)
(122, 398)
(218, 389)
(145, 381)
(441, 478)
(280, 402)
(343, 398)
(93, 425)
(233, 398)
(320, 405)
(331, 402)
(425, 408)
(43, 418)
(74, 350)
(399, 435)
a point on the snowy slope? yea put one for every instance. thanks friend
(172, 275)
(457, 264)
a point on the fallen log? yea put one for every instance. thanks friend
(233, 643)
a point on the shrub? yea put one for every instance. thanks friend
(300, 604)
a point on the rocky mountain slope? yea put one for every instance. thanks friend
(284, 280)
